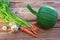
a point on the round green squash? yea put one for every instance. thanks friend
(46, 16)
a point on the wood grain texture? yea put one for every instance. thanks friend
(51, 34)
(20, 5)
(30, 0)
(26, 14)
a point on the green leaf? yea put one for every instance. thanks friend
(5, 2)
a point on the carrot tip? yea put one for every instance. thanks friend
(28, 31)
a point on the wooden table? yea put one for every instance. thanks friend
(51, 34)
(20, 6)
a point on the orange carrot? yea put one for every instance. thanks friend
(34, 32)
(35, 28)
(27, 31)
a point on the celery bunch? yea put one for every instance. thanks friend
(8, 16)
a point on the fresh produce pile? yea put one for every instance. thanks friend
(14, 22)
(46, 16)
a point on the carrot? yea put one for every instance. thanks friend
(34, 32)
(27, 31)
(35, 28)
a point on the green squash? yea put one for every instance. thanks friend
(46, 16)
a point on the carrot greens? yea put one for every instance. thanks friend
(9, 18)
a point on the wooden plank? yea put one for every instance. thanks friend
(22, 12)
(35, 4)
(21, 4)
(30, 0)
(52, 34)
(19, 7)
(26, 14)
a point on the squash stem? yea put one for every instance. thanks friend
(32, 10)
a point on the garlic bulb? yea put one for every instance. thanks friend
(14, 27)
(4, 28)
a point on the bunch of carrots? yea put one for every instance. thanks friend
(14, 21)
